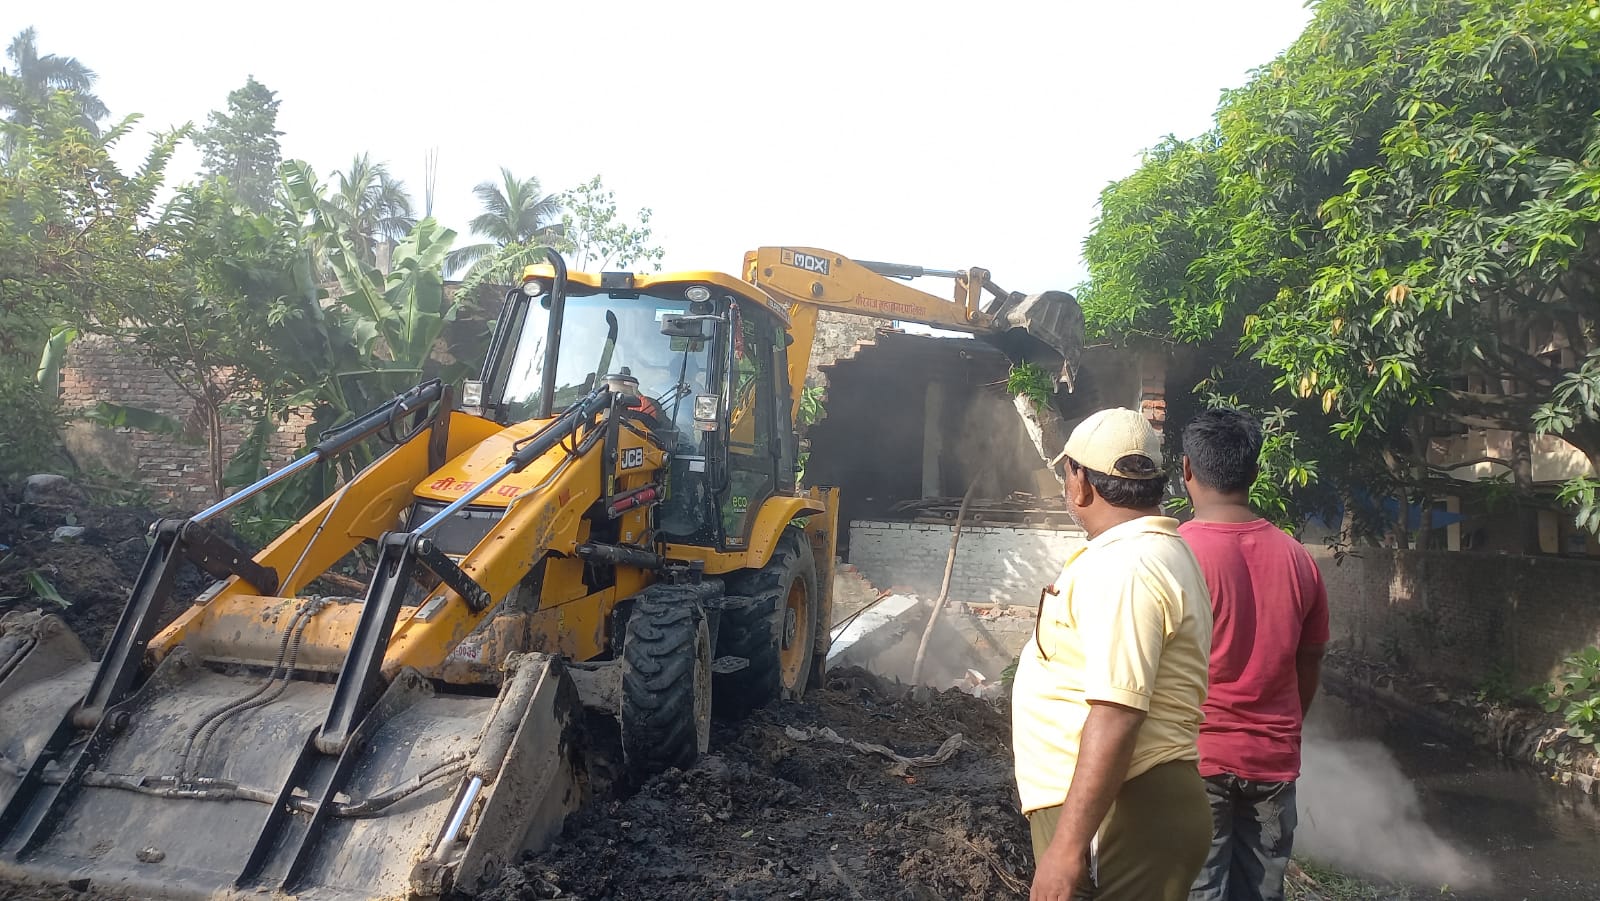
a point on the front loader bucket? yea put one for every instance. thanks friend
(206, 784)
(1044, 329)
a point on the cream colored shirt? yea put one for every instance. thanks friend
(1130, 624)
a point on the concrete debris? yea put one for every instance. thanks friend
(977, 685)
(67, 533)
(47, 488)
(891, 613)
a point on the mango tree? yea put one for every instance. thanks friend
(1396, 218)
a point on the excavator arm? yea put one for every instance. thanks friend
(1043, 329)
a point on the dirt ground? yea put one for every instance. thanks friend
(769, 816)
(92, 573)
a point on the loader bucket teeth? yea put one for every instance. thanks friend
(1044, 329)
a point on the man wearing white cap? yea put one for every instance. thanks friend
(1107, 697)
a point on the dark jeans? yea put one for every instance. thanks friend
(1252, 834)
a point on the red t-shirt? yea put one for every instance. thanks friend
(1267, 601)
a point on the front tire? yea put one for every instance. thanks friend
(777, 633)
(666, 685)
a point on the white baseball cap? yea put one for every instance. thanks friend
(1118, 442)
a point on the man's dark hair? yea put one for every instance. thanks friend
(1224, 449)
(1133, 494)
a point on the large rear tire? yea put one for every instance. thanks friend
(666, 685)
(777, 633)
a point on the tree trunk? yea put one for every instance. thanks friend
(1402, 521)
(1420, 435)
(1527, 515)
(214, 446)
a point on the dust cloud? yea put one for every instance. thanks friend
(992, 442)
(950, 653)
(1359, 813)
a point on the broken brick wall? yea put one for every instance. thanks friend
(837, 336)
(994, 565)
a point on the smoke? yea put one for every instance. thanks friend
(1360, 814)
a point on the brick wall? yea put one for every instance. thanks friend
(837, 336)
(993, 565)
(1463, 616)
(174, 469)
(1153, 388)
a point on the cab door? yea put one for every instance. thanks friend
(756, 443)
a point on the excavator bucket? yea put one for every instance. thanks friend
(1044, 329)
(207, 783)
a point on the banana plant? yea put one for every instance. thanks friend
(55, 353)
(346, 351)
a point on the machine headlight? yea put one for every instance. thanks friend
(472, 393)
(698, 293)
(532, 287)
(706, 407)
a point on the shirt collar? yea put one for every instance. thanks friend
(1160, 525)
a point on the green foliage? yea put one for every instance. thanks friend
(812, 406)
(1579, 494)
(112, 489)
(368, 208)
(405, 309)
(44, 590)
(74, 231)
(205, 315)
(343, 355)
(1496, 686)
(518, 221)
(1284, 470)
(116, 416)
(241, 145)
(1575, 694)
(55, 353)
(34, 83)
(1316, 882)
(259, 524)
(597, 238)
(32, 422)
(1033, 382)
(812, 410)
(1406, 197)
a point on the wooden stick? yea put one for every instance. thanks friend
(944, 587)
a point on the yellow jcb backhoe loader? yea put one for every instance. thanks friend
(610, 520)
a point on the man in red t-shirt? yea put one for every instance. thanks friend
(1269, 627)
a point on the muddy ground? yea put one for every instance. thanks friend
(769, 816)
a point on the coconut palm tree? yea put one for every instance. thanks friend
(33, 79)
(516, 211)
(373, 209)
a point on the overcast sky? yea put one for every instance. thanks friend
(947, 134)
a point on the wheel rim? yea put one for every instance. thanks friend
(794, 641)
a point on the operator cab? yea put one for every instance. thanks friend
(710, 358)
